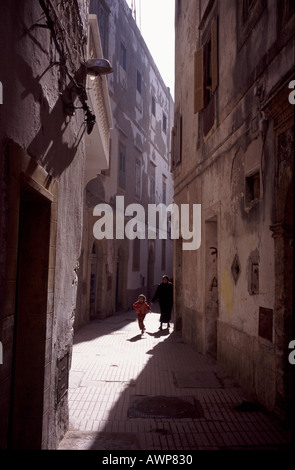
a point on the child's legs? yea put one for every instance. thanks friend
(140, 318)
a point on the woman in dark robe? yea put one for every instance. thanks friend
(164, 294)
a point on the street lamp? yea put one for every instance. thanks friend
(96, 67)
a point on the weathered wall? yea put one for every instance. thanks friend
(42, 152)
(254, 60)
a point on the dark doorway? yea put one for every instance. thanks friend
(93, 278)
(26, 414)
(212, 310)
(150, 270)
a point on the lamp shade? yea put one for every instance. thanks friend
(98, 67)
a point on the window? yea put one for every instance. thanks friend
(252, 189)
(164, 123)
(123, 56)
(137, 178)
(122, 166)
(138, 81)
(122, 75)
(139, 98)
(253, 273)
(254, 286)
(153, 106)
(177, 140)
(206, 70)
(265, 327)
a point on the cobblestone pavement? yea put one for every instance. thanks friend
(154, 392)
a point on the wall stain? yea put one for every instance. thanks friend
(227, 293)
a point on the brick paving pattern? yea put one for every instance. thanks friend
(114, 367)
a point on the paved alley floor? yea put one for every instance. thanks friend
(154, 392)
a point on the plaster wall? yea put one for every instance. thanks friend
(46, 147)
(254, 61)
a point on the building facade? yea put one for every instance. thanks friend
(42, 165)
(233, 154)
(114, 270)
(97, 159)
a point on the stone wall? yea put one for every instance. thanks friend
(228, 159)
(42, 164)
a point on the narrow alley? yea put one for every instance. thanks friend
(129, 392)
(113, 181)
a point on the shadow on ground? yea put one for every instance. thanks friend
(181, 400)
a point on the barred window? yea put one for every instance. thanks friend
(138, 81)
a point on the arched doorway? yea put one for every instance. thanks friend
(93, 282)
(96, 280)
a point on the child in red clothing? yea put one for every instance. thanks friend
(141, 307)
